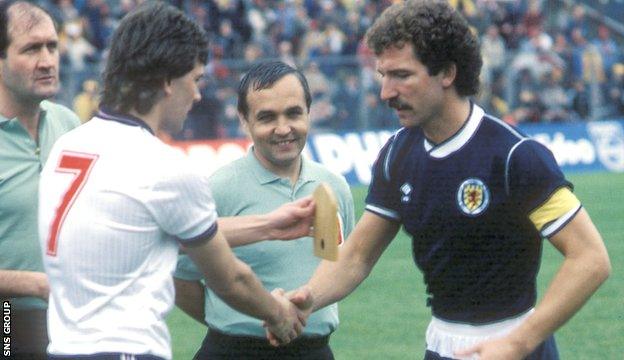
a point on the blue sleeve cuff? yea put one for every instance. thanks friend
(201, 238)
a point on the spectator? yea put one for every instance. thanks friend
(494, 54)
(203, 121)
(347, 102)
(79, 54)
(554, 98)
(608, 49)
(580, 100)
(86, 103)
(229, 41)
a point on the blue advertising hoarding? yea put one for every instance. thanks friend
(594, 146)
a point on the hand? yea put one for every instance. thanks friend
(292, 220)
(288, 325)
(302, 299)
(494, 349)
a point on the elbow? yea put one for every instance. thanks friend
(605, 270)
(600, 267)
(240, 279)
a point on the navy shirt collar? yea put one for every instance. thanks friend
(127, 119)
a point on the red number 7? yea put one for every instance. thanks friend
(80, 165)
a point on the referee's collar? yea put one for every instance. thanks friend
(127, 119)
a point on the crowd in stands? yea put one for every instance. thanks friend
(544, 61)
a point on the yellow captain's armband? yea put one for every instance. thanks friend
(561, 202)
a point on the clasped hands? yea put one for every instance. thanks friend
(295, 308)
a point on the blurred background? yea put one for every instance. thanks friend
(545, 61)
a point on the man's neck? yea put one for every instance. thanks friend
(152, 119)
(291, 172)
(452, 117)
(26, 112)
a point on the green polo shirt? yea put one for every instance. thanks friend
(21, 160)
(245, 187)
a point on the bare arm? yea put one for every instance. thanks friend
(18, 283)
(333, 281)
(585, 267)
(237, 285)
(289, 221)
(190, 297)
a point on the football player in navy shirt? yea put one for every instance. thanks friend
(476, 195)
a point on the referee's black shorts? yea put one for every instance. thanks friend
(29, 334)
(220, 346)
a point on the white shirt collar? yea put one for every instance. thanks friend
(458, 140)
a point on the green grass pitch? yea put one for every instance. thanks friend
(386, 317)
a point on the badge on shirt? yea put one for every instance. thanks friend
(473, 197)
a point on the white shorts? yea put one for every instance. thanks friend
(444, 338)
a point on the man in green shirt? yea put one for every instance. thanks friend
(273, 105)
(29, 125)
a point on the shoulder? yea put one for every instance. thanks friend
(503, 133)
(60, 114)
(529, 151)
(321, 173)
(228, 173)
(401, 142)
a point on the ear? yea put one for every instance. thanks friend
(448, 75)
(244, 124)
(167, 88)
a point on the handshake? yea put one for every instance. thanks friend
(294, 309)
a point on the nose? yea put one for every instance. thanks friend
(388, 90)
(283, 127)
(197, 96)
(48, 58)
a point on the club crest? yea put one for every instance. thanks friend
(473, 197)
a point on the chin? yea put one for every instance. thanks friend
(46, 93)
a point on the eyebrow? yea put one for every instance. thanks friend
(288, 110)
(262, 113)
(38, 43)
(294, 108)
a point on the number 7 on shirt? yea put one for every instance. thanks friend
(80, 165)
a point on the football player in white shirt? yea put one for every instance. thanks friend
(116, 203)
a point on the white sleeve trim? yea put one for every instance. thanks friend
(383, 212)
(559, 223)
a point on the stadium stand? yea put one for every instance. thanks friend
(544, 60)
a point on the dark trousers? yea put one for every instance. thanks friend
(546, 351)
(219, 346)
(29, 334)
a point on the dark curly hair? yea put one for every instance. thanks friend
(439, 35)
(153, 44)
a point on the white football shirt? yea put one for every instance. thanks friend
(113, 199)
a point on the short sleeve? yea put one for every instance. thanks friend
(382, 196)
(538, 187)
(533, 175)
(183, 206)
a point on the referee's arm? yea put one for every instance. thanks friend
(20, 283)
(190, 298)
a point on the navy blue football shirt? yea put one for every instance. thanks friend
(477, 207)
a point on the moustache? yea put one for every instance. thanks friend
(398, 104)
